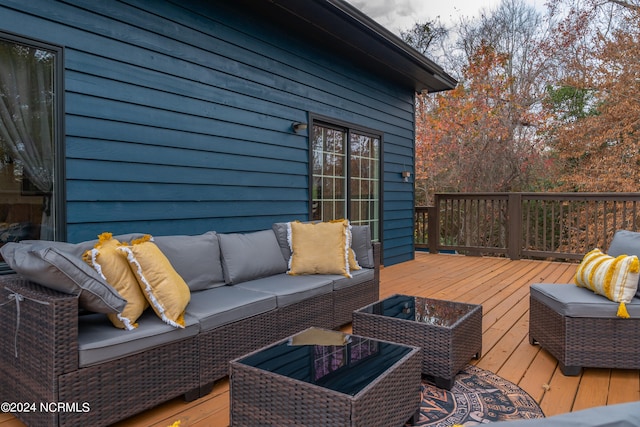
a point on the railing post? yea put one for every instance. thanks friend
(433, 231)
(514, 226)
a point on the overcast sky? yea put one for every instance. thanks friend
(398, 15)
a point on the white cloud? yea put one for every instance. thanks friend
(395, 15)
(398, 15)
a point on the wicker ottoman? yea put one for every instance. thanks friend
(363, 383)
(581, 329)
(449, 333)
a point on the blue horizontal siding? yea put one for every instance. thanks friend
(290, 147)
(178, 117)
(86, 190)
(127, 152)
(163, 211)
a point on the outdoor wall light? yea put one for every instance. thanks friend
(406, 175)
(299, 127)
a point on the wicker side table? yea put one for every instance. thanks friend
(449, 333)
(314, 385)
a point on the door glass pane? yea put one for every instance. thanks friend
(334, 187)
(364, 180)
(328, 183)
(27, 152)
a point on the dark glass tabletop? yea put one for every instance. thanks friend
(424, 310)
(343, 368)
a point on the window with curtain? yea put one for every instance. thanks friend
(29, 131)
(345, 176)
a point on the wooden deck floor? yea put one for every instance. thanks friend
(501, 286)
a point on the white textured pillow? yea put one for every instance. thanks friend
(625, 243)
(615, 278)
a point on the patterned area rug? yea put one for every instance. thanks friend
(477, 397)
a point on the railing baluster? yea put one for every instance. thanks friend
(536, 234)
(493, 231)
(542, 225)
(614, 220)
(588, 209)
(554, 221)
(604, 215)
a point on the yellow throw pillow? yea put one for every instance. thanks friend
(167, 293)
(615, 278)
(353, 263)
(114, 269)
(319, 248)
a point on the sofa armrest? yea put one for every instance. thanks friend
(377, 258)
(377, 253)
(38, 338)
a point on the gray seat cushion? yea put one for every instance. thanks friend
(572, 301)
(99, 341)
(227, 304)
(291, 289)
(358, 277)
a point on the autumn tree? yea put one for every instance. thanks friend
(426, 36)
(469, 140)
(596, 99)
(544, 102)
(482, 136)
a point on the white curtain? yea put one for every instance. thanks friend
(26, 118)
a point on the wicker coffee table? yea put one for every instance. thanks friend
(449, 333)
(365, 382)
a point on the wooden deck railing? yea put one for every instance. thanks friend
(525, 225)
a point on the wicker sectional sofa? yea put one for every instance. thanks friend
(73, 367)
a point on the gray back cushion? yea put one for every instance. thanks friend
(281, 230)
(57, 266)
(195, 258)
(250, 256)
(625, 243)
(362, 246)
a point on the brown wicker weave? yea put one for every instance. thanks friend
(314, 311)
(126, 386)
(46, 367)
(348, 299)
(262, 398)
(445, 349)
(220, 345)
(581, 342)
(33, 359)
(43, 366)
